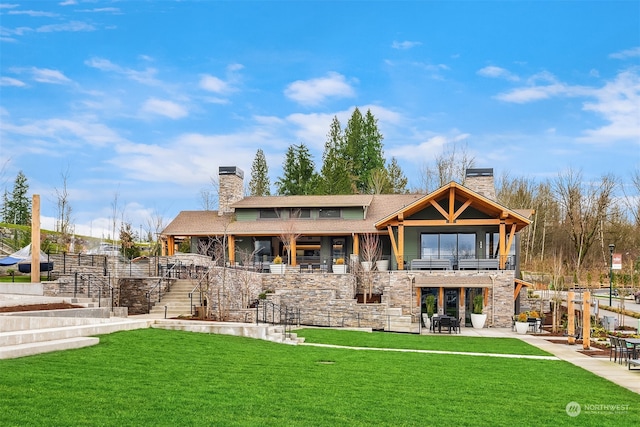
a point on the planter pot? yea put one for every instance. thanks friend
(478, 320)
(522, 327)
(277, 268)
(382, 265)
(426, 320)
(339, 268)
(366, 265)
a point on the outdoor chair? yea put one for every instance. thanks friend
(624, 349)
(444, 322)
(613, 349)
(455, 324)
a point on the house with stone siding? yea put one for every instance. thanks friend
(454, 243)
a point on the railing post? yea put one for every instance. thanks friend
(191, 302)
(75, 284)
(64, 262)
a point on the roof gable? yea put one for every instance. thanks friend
(454, 204)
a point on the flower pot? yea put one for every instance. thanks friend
(277, 268)
(522, 327)
(478, 320)
(426, 320)
(366, 265)
(339, 268)
(382, 265)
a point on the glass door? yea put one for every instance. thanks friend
(451, 301)
(469, 295)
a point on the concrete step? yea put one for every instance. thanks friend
(29, 349)
(53, 334)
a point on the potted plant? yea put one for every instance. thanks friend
(522, 326)
(339, 266)
(277, 267)
(382, 264)
(430, 304)
(478, 319)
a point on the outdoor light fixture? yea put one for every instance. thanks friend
(611, 248)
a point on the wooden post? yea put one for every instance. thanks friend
(586, 320)
(35, 239)
(571, 318)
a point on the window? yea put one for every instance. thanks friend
(268, 214)
(448, 245)
(300, 213)
(329, 213)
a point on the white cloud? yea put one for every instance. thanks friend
(213, 84)
(618, 102)
(73, 26)
(164, 108)
(68, 3)
(146, 76)
(34, 13)
(629, 53)
(315, 91)
(46, 75)
(497, 72)
(9, 81)
(404, 45)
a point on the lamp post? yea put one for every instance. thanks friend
(611, 248)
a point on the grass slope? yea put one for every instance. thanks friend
(167, 378)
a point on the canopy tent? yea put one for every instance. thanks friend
(23, 254)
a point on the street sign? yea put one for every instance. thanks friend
(616, 262)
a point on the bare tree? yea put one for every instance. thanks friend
(246, 279)
(584, 207)
(63, 223)
(450, 165)
(289, 233)
(370, 253)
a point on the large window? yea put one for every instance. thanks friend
(492, 246)
(329, 213)
(448, 245)
(268, 214)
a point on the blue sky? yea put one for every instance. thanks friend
(144, 100)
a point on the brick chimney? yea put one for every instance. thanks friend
(481, 181)
(230, 180)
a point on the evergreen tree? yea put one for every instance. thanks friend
(335, 176)
(397, 180)
(17, 207)
(363, 148)
(299, 176)
(259, 184)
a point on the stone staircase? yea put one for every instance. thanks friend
(397, 322)
(176, 301)
(32, 333)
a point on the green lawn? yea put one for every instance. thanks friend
(154, 377)
(425, 342)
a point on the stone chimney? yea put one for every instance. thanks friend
(231, 180)
(481, 181)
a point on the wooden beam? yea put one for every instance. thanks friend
(517, 290)
(394, 247)
(586, 320)
(356, 244)
(571, 318)
(502, 244)
(35, 238)
(452, 203)
(441, 300)
(401, 245)
(232, 249)
(462, 209)
(293, 249)
(439, 208)
(171, 246)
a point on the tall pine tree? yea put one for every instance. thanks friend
(397, 180)
(335, 177)
(363, 148)
(299, 176)
(17, 207)
(259, 184)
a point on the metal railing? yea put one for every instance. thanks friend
(95, 284)
(274, 314)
